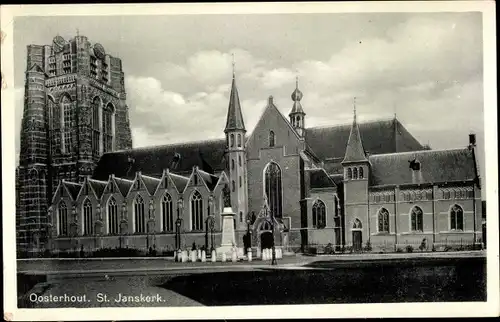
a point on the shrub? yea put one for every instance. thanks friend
(447, 248)
(423, 245)
(409, 249)
(368, 246)
(399, 250)
(329, 249)
(433, 247)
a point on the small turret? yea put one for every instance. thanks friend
(297, 115)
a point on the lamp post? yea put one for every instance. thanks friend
(74, 225)
(209, 223)
(249, 239)
(122, 224)
(273, 261)
(178, 223)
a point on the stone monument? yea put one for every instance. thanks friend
(228, 236)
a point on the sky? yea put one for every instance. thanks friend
(427, 68)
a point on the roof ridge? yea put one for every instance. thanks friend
(167, 145)
(150, 177)
(97, 181)
(348, 124)
(123, 179)
(417, 151)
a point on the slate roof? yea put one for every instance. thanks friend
(150, 183)
(210, 180)
(435, 167)
(153, 160)
(354, 150)
(98, 186)
(377, 136)
(337, 178)
(180, 182)
(234, 117)
(320, 179)
(73, 188)
(124, 185)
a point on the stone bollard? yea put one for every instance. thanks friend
(214, 256)
(203, 256)
(249, 254)
(259, 252)
(223, 257)
(234, 256)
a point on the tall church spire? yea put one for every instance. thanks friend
(354, 151)
(234, 115)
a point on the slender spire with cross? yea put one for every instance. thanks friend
(354, 107)
(77, 32)
(234, 73)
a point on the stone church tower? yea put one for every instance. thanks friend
(74, 111)
(236, 157)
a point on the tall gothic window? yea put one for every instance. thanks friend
(196, 211)
(107, 128)
(456, 218)
(62, 222)
(319, 214)
(273, 188)
(232, 164)
(383, 221)
(271, 139)
(113, 223)
(66, 124)
(361, 173)
(417, 219)
(140, 219)
(87, 218)
(96, 110)
(167, 213)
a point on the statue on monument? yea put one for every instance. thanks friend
(227, 196)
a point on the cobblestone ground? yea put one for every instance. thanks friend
(112, 288)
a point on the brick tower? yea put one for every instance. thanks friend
(74, 111)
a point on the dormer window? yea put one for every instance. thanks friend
(415, 165)
(271, 139)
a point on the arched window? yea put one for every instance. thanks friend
(239, 160)
(298, 120)
(417, 219)
(241, 216)
(241, 182)
(357, 224)
(87, 218)
(112, 216)
(140, 219)
(383, 221)
(239, 140)
(167, 213)
(196, 211)
(456, 218)
(273, 188)
(107, 128)
(234, 185)
(355, 173)
(349, 173)
(232, 140)
(67, 120)
(62, 222)
(232, 164)
(319, 214)
(96, 132)
(266, 225)
(361, 172)
(271, 139)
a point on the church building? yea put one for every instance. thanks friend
(349, 186)
(353, 186)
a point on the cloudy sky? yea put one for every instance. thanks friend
(426, 67)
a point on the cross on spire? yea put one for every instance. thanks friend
(233, 66)
(354, 104)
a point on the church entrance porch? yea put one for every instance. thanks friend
(266, 240)
(357, 240)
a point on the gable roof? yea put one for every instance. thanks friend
(179, 181)
(179, 157)
(383, 136)
(210, 180)
(150, 183)
(435, 167)
(72, 188)
(320, 179)
(98, 186)
(123, 185)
